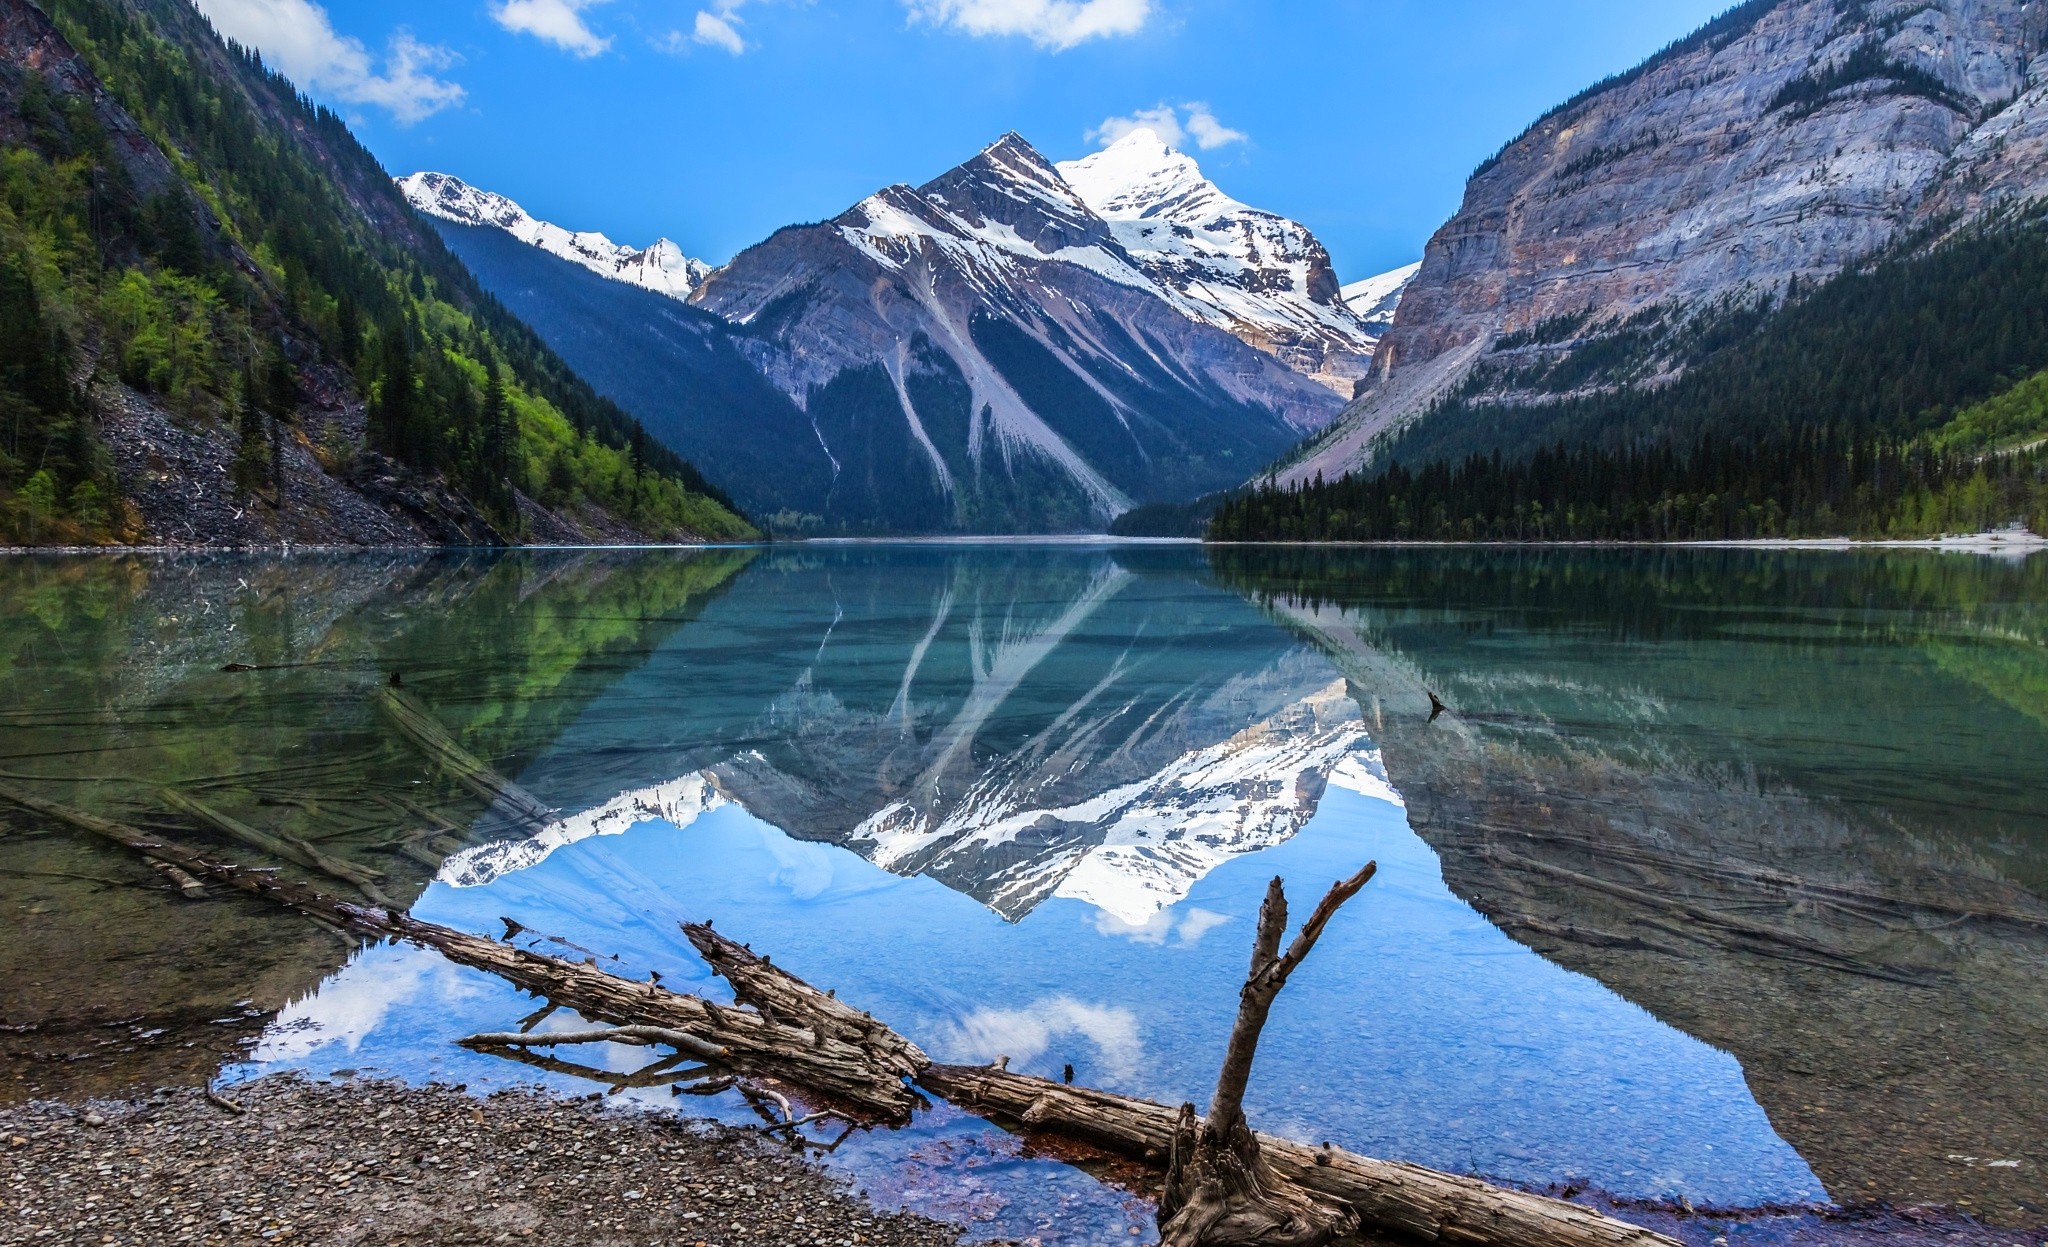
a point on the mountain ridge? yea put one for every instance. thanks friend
(979, 354)
(1256, 274)
(661, 268)
(1784, 142)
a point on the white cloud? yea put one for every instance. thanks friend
(296, 37)
(715, 27)
(559, 22)
(720, 29)
(1055, 24)
(1209, 133)
(1200, 127)
(1190, 927)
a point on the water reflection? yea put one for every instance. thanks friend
(1795, 806)
(1024, 804)
(1710, 851)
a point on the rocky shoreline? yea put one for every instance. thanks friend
(286, 1159)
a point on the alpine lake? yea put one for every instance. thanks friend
(1721, 876)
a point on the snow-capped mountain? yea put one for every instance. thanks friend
(1376, 299)
(1139, 847)
(982, 352)
(661, 268)
(1257, 275)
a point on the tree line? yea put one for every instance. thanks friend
(275, 258)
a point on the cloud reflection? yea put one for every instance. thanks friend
(1024, 1035)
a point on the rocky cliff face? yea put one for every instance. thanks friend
(983, 353)
(1785, 140)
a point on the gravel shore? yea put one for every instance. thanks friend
(379, 1163)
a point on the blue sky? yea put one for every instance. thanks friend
(714, 122)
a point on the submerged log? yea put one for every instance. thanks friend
(290, 848)
(754, 1044)
(419, 725)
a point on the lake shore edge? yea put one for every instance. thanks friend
(286, 1158)
(289, 1159)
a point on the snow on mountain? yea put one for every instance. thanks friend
(1140, 847)
(679, 802)
(1255, 274)
(662, 268)
(981, 352)
(1376, 299)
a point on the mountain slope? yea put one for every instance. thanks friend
(223, 324)
(677, 368)
(1784, 141)
(982, 353)
(1259, 276)
(661, 268)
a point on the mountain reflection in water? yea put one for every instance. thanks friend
(1720, 878)
(1024, 803)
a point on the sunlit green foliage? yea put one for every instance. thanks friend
(275, 246)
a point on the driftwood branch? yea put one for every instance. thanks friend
(681, 1041)
(1219, 1190)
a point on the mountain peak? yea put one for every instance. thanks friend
(661, 268)
(1258, 275)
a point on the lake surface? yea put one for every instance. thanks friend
(1721, 877)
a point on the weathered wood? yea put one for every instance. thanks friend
(1219, 1191)
(1388, 1195)
(681, 1041)
(756, 1046)
(778, 994)
(1402, 1199)
(290, 848)
(188, 887)
(419, 725)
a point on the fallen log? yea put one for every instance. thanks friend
(1387, 1195)
(775, 993)
(755, 1045)
(418, 724)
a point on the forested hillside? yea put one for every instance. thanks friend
(204, 275)
(1906, 398)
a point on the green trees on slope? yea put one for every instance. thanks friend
(1905, 398)
(275, 248)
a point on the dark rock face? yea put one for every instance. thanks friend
(981, 354)
(1878, 977)
(1785, 141)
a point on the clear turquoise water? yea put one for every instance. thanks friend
(1024, 802)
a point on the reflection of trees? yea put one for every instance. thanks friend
(1772, 799)
(112, 690)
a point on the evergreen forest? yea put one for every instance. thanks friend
(204, 239)
(1905, 398)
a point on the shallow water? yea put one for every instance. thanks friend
(1720, 879)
